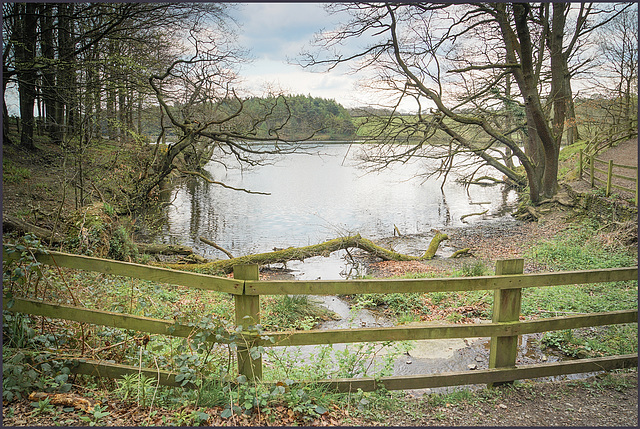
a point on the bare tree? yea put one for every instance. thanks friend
(98, 66)
(618, 45)
(490, 80)
(208, 118)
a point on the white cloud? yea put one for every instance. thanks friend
(294, 80)
(279, 30)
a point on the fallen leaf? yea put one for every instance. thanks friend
(66, 399)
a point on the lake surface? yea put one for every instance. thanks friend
(314, 198)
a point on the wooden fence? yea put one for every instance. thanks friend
(590, 162)
(247, 289)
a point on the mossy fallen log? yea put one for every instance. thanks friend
(302, 253)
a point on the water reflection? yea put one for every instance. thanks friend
(315, 198)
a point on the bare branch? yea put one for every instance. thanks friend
(214, 182)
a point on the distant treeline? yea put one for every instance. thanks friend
(304, 116)
(293, 117)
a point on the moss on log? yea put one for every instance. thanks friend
(433, 246)
(302, 253)
(461, 252)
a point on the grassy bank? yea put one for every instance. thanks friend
(31, 345)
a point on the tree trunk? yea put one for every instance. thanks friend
(25, 57)
(48, 75)
(5, 124)
(66, 71)
(535, 152)
(528, 87)
(111, 92)
(122, 110)
(58, 103)
(560, 97)
(508, 154)
(13, 223)
(573, 135)
(322, 249)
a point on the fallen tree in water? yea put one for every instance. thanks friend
(302, 253)
(164, 249)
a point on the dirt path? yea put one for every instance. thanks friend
(611, 400)
(626, 153)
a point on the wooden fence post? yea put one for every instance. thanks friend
(506, 308)
(580, 166)
(609, 177)
(591, 168)
(247, 314)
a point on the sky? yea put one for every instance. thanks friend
(275, 32)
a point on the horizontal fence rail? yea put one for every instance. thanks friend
(486, 376)
(246, 288)
(329, 287)
(136, 271)
(334, 336)
(514, 281)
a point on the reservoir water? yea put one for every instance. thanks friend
(318, 197)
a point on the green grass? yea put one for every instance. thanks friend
(397, 303)
(582, 247)
(576, 249)
(567, 152)
(291, 312)
(408, 307)
(14, 174)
